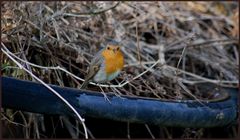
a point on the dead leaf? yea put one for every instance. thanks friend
(235, 30)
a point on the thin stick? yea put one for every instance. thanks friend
(91, 13)
(138, 47)
(128, 130)
(203, 78)
(6, 118)
(149, 131)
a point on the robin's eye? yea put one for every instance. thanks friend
(108, 48)
(118, 48)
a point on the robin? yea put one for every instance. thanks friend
(105, 65)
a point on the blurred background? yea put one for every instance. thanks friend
(191, 42)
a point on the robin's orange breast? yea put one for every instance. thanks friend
(113, 62)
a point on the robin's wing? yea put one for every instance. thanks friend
(97, 59)
(94, 67)
(95, 64)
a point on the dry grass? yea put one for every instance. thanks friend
(190, 43)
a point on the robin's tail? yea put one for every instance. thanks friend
(88, 78)
(84, 84)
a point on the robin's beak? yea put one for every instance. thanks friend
(114, 50)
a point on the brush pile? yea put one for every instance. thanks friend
(177, 44)
(170, 48)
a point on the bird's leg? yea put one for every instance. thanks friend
(116, 93)
(105, 96)
(113, 88)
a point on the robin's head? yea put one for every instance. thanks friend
(112, 51)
